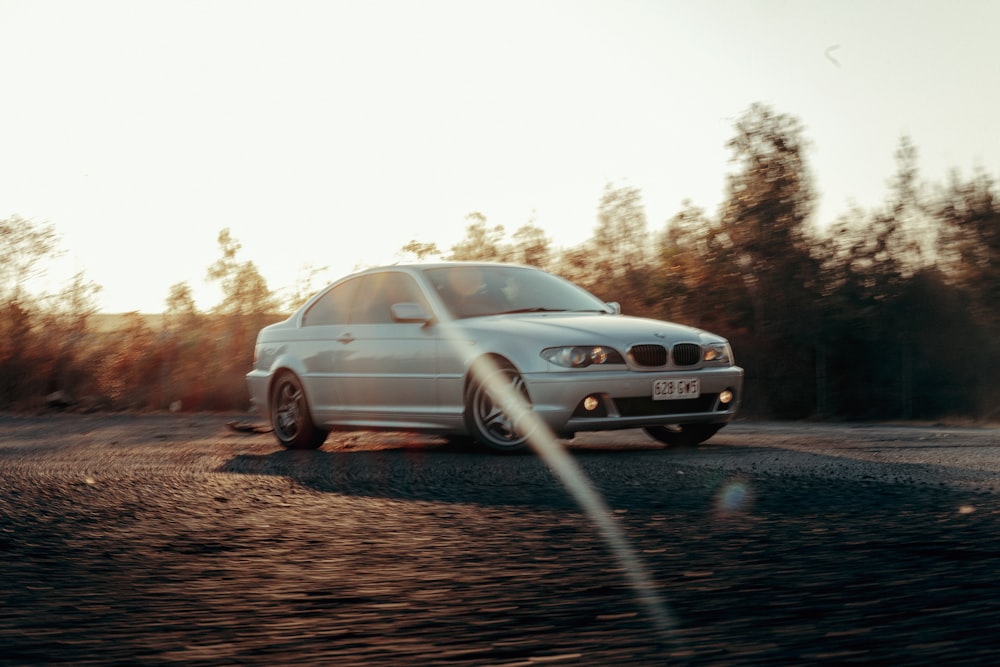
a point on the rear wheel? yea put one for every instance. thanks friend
(683, 435)
(489, 422)
(290, 416)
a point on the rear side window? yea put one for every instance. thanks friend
(334, 307)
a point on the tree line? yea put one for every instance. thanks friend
(890, 313)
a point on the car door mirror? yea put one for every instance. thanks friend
(409, 312)
(616, 308)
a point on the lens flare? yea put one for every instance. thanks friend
(733, 497)
(565, 468)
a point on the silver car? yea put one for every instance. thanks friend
(435, 348)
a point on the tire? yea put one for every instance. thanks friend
(290, 415)
(488, 424)
(683, 435)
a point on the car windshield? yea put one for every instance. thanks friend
(477, 290)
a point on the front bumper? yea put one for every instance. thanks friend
(624, 399)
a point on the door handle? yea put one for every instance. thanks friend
(345, 338)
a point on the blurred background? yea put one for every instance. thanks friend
(815, 181)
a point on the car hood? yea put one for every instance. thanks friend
(587, 329)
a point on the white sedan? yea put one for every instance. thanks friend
(437, 348)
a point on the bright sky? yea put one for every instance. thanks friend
(331, 133)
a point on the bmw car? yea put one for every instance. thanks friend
(436, 348)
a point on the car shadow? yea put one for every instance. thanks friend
(432, 473)
(628, 474)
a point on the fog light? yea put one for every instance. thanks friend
(726, 397)
(590, 403)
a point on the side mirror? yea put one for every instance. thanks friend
(616, 308)
(409, 312)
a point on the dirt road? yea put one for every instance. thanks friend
(165, 539)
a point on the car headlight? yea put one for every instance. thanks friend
(718, 353)
(580, 356)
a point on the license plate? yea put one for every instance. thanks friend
(669, 390)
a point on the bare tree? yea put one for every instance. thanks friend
(420, 250)
(763, 231)
(23, 244)
(244, 289)
(531, 246)
(620, 237)
(481, 243)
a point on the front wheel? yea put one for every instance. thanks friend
(492, 422)
(683, 435)
(290, 416)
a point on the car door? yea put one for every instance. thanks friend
(388, 368)
(320, 346)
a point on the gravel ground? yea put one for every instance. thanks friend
(167, 539)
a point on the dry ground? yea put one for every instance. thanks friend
(166, 539)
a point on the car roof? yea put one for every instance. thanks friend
(440, 265)
(422, 266)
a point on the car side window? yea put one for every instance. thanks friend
(334, 307)
(380, 291)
